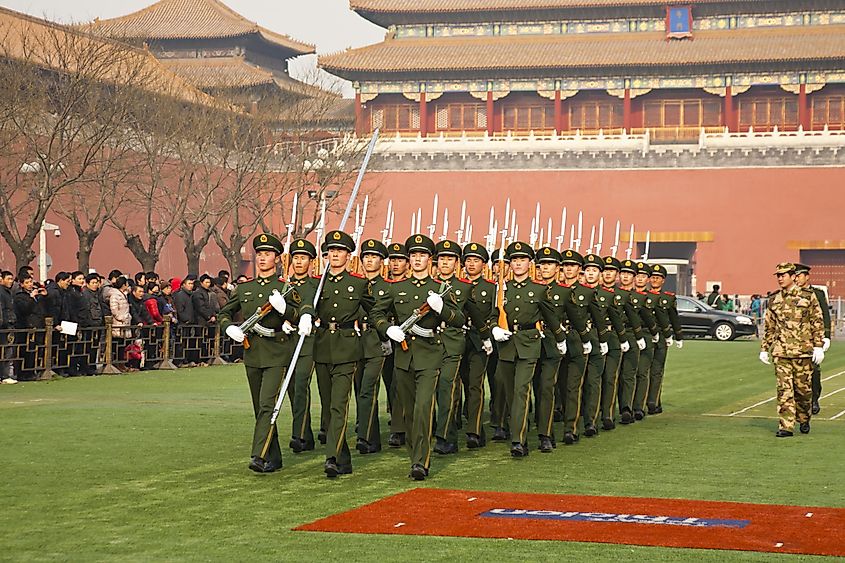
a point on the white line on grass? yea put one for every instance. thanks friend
(834, 417)
(770, 399)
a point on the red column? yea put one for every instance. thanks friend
(803, 108)
(359, 115)
(491, 113)
(423, 115)
(558, 111)
(626, 111)
(564, 116)
(729, 110)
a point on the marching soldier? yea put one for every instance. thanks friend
(302, 437)
(478, 345)
(647, 314)
(794, 336)
(397, 270)
(373, 254)
(666, 312)
(266, 351)
(598, 302)
(632, 303)
(618, 340)
(337, 344)
(419, 352)
(499, 409)
(802, 278)
(526, 303)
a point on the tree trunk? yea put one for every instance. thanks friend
(192, 257)
(23, 256)
(86, 247)
(146, 258)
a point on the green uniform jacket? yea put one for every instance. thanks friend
(370, 339)
(615, 315)
(263, 352)
(667, 307)
(570, 315)
(645, 303)
(527, 303)
(307, 289)
(343, 297)
(454, 338)
(399, 303)
(632, 315)
(825, 310)
(586, 298)
(478, 310)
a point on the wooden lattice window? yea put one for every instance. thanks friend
(460, 117)
(682, 113)
(396, 117)
(528, 118)
(830, 111)
(765, 113)
(596, 115)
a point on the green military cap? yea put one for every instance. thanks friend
(785, 268)
(594, 260)
(571, 257)
(339, 239)
(419, 243)
(548, 254)
(802, 268)
(477, 250)
(397, 250)
(266, 241)
(628, 266)
(447, 248)
(611, 263)
(643, 268)
(373, 246)
(497, 255)
(324, 250)
(658, 270)
(302, 246)
(518, 249)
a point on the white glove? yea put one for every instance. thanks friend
(588, 347)
(435, 302)
(604, 348)
(826, 345)
(669, 342)
(288, 328)
(500, 334)
(305, 325)
(277, 300)
(235, 333)
(641, 343)
(818, 356)
(561, 347)
(395, 333)
(679, 344)
(487, 346)
(764, 357)
(655, 339)
(386, 348)
(625, 346)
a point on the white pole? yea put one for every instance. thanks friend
(42, 253)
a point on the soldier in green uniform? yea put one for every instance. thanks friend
(373, 254)
(526, 303)
(632, 303)
(802, 279)
(649, 302)
(266, 349)
(478, 345)
(302, 437)
(419, 351)
(618, 340)
(795, 338)
(337, 344)
(598, 302)
(666, 312)
(499, 408)
(397, 270)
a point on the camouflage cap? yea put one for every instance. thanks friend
(611, 263)
(785, 268)
(397, 250)
(548, 254)
(373, 246)
(419, 243)
(302, 246)
(802, 268)
(519, 249)
(593, 260)
(267, 241)
(658, 270)
(571, 257)
(339, 239)
(628, 266)
(477, 250)
(447, 248)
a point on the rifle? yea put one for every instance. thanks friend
(420, 312)
(259, 314)
(500, 290)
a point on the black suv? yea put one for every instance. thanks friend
(699, 319)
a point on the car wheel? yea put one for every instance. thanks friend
(724, 331)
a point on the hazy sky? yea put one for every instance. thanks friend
(328, 24)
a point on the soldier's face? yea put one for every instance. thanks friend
(398, 266)
(338, 257)
(626, 278)
(473, 266)
(657, 281)
(520, 266)
(608, 277)
(300, 263)
(265, 260)
(802, 279)
(446, 265)
(591, 274)
(420, 261)
(549, 270)
(372, 262)
(570, 271)
(785, 281)
(641, 280)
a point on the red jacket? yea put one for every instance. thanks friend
(152, 308)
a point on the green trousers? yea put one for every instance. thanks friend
(264, 387)
(573, 368)
(299, 393)
(448, 399)
(516, 379)
(655, 374)
(324, 386)
(643, 368)
(592, 385)
(366, 399)
(610, 377)
(473, 368)
(339, 378)
(501, 408)
(817, 383)
(628, 376)
(545, 381)
(397, 416)
(416, 390)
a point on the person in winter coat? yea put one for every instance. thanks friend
(151, 303)
(139, 312)
(183, 303)
(205, 303)
(115, 296)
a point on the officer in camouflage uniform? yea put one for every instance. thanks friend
(618, 339)
(526, 303)
(647, 314)
(802, 278)
(337, 344)
(478, 344)
(638, 331)
(373, 254)
(397, 270)
(666, 312)
(299, 390)
(267, 350)
(419, 352)
(598, 303)
(794, 335)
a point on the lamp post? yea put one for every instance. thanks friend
(42, 247)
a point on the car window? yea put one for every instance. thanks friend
(686, 305)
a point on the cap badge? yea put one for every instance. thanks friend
(371, 244)
(300, 244)
(263, 238)
(336, 236)
(418, 239)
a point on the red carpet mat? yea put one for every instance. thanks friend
(634, 521)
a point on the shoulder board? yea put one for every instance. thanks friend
(435, 280)
(316, 277)
(561, 284)
(654, 292)
(671, 294)
(641, 292)
(489, 281)
(464, 280)
(357, 275)
(281, 278)
(390, 281)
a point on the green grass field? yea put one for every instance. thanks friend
(152, 466)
